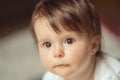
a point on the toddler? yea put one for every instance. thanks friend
(68, 36)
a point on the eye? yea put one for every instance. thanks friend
(69, 41)
(47, 44)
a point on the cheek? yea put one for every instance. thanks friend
(45, 58)
(79, 54)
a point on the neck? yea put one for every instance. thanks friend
(87, 73)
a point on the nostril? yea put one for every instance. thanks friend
(59, 54)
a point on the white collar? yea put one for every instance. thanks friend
(107, 68)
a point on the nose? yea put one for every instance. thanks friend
(59, 53)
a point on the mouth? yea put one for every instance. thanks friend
(62, 65)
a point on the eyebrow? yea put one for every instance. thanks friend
(49, 39)
(42, 40)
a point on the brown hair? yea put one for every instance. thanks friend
(76, 15)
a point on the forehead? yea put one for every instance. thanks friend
(42, 24)
(42, 29)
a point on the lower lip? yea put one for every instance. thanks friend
(62, 65)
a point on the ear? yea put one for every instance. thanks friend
(95, 44)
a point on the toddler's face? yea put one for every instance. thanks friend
(64, 53)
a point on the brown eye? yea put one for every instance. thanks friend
(69, 41)
(47, 44)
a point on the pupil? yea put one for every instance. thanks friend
(48, 44)
(69, 41)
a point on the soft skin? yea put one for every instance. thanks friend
(68, 54)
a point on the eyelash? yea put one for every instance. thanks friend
(71, 41)
(45, 44)
(68, 43)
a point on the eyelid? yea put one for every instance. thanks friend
(44, 43)
(70, 38)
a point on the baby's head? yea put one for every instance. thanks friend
(72, 15)
(66, 26)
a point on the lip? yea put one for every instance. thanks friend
(62, 65)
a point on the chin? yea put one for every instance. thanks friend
(64, 74)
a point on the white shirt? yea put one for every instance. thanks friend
(107, 68)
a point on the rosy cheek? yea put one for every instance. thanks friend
(78, 55)
(44, 58)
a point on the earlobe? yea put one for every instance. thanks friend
(95, 43)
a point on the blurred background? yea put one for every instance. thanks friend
(19, 58)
